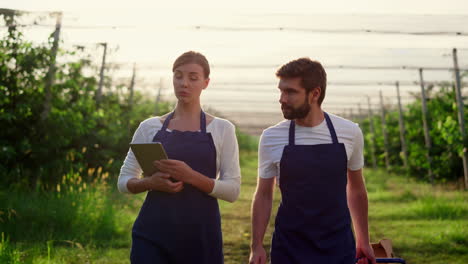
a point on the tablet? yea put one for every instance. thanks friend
(146, 154)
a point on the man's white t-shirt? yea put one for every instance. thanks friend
(274, 139)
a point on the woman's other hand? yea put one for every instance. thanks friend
(178, 170)
(162, 182)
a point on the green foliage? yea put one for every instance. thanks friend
(8, 253)
(446, 139)
(246, 142)
(77, 134)
(426, 223)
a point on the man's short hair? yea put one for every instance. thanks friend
(193, 57)
(311, 72)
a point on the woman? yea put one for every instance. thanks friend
(179, 221)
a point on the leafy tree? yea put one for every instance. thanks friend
(78, 137)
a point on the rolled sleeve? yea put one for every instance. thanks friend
(356, 160)
(266, 166)
(227, 184)
(130, 168)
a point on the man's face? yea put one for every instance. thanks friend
(294, 99)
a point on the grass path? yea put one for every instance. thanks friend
(426, 224)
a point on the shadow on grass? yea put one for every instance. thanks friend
(388, 197)
(449, 246)
(426, 209)
(231, 216)
(239, 252)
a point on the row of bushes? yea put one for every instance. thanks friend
(80, 137)
(78, 134)
(447, 142)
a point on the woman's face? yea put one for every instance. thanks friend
(189, 81)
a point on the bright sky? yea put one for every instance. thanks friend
(328, 6)
(154, 33)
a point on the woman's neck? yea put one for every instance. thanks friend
(187, 111)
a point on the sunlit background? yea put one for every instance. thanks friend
(365, 46)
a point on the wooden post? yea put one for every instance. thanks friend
(461, 120)
(384, 132)
(158, 96)
(51, 72)
(131, 88)
(130, 98)
(101, 74)
(360, 116)
(402, 128)
(371, 125)
(427, 137)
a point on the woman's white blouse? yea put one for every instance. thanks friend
(228, 177)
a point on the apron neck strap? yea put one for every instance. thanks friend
(202, 121)
(166, 122)
(331, 128)
(292, 130)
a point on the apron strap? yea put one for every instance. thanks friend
(166, 122)
(292, 132)
(202, 122)
(331, 128)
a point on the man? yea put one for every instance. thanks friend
(317, 159)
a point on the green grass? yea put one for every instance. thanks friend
(87, 225)
(236, 216)
(427, 224)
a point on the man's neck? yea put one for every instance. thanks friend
(314, 118)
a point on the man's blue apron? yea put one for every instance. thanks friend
(183, 227)
(313, 224)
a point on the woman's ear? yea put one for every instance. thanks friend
(207, 81)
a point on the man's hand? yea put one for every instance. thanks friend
(258, 255)
(365, 254)
(261, 210)
(161, 182)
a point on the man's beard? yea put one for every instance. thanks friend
(296, 113)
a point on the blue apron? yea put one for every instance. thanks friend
(313, 224)
(183, 227)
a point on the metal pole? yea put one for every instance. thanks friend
(371, 125)
(427, 137)
(51, 73)
(402, 128)
(101, 74)
(384, 132)
(461, 119)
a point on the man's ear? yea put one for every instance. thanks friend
(314, 95)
